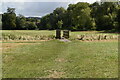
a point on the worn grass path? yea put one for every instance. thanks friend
(57, 59)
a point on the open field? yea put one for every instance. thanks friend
(53, 58)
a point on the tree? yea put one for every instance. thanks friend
(59, 12)
(49, 21)
(105, 16)
(20, 22)
(80, 16)
(56, 16)
(30, 26)
(118, 20)
(11, 10)
(9, 19)
(44, 22)
(59, 24)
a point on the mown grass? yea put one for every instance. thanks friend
(29, 32)
(60, 59)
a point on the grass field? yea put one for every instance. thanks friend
(53, 58)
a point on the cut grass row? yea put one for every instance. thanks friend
(48, 35)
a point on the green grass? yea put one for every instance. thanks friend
(60, 59)
(29, 32)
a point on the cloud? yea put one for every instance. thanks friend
(37, 7)
(0, 8)
(33, 8)
(71, 1)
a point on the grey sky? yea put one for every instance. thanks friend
(90, 1)
(33, 8)
(37, 8)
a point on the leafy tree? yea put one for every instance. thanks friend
(118, 20)
(11, 10)
(59, 24)
(44, 22)
(57, 15)
(80, 16)
(31, 26)
(20, 22)
(49, 26)
(105, 15)
(9, 19)
(49, 21)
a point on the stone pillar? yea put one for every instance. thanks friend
(58, 34)
(66, 34)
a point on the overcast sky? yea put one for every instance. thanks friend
(37, 7)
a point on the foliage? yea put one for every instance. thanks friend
(84, 16)
(21, 22)
(79, 16)
(51, 20)
(119, 19)
(9, 19)
(105, 15)
(59, 24)
(10, 10)
(30, 26)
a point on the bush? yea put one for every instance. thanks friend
(31, 26)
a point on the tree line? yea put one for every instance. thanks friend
(80, 16)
